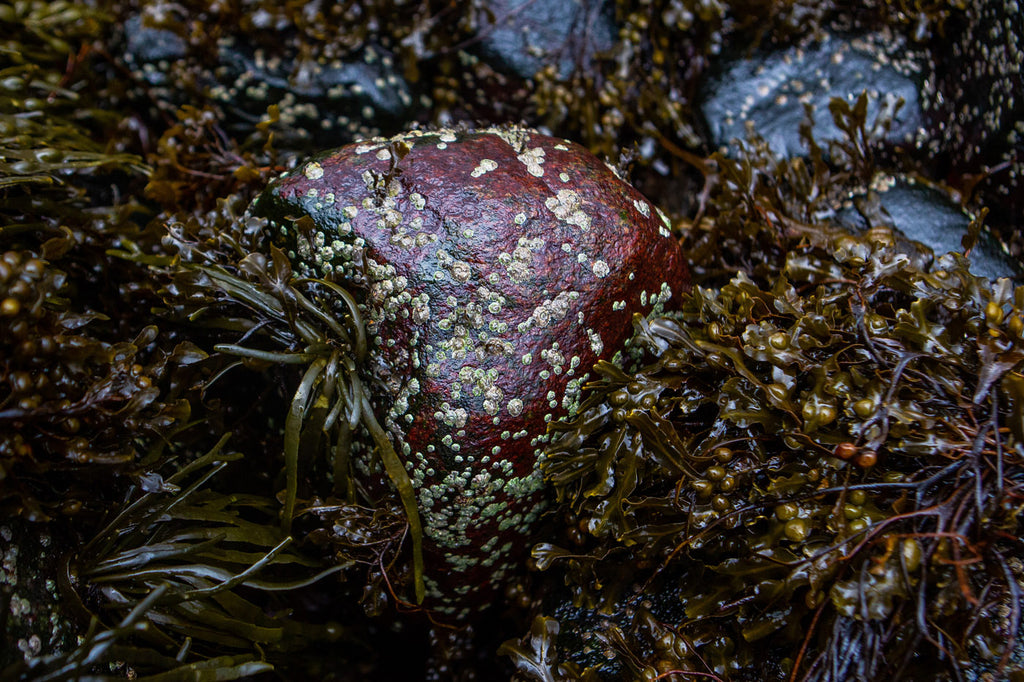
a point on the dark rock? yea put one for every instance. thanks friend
(33, 618)
(931, 225)
(325, 94)
(527, 35)
(770, 89)
(338, 99)
(152, 48)
(978, 104)
(1001, 190)
(494, 269)
(980, 80)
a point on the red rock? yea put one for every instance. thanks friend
(494, 268)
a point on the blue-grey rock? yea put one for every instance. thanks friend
(147, 45)
(771, 88)
(366, 79)
(931, 224)
(526, 35)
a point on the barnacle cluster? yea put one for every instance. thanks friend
(811, 471)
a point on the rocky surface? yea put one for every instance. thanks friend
(495, 269)
(930, 224)
(770, 90)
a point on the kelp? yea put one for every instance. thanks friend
(69, 354)
(324, 332)
(55, 366)
(821, 465)
(47, 128)
(177, 567)
(100, 645)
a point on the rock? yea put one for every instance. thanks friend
(152, 48)
(494, 268)
(325, 92)
(978, 104)
(980, 79)
(526, 35)
(931, 224)
(980, 108)
(337, 99)
(770, 89)
(34, 617)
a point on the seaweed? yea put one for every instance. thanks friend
(814, 474)
(820, 457)
(178, 567)
(263, 303)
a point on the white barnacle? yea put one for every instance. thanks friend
(563, 204)
(553, 358)
(600, 269)
(485, 166)
(580, 219)
(461, 271)
(532, 159)
(313, 170)
(518, 271)
(492, 400)
(515, 407)
(392, 218)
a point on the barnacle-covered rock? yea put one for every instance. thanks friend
(770, 89)
(980, 79)
(34, 619)
(494, 269)
(334, 91)
(981, 108)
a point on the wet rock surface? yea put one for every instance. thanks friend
(33, 619)
(495, 269)
(981, 80)
(930, 224)
(329, 97)
(526, 35)
(770, 90)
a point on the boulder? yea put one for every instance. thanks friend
(493, 269)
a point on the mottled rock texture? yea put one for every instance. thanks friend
(772, 88)
(494, 269)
